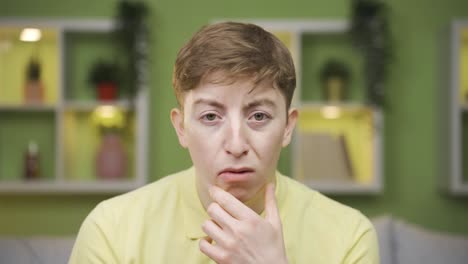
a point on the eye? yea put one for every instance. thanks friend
(210, 117)
(259, 117)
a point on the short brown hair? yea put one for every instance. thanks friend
(235, 50)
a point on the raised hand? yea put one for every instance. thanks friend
(236, 234)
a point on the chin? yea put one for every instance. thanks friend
(241, 194)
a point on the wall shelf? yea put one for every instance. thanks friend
(68, 140)
(85, 106)
(312, 43)
(457, 181)
(27, 108)
(108, 187)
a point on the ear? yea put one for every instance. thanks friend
(177, 118)
(292, 119)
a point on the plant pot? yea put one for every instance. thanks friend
(111, 158)
(33, 92)
(107, 91)
(335, 90)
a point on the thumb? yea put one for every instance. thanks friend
(271, 208)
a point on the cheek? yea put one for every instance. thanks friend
(268, 145)
(203, 144)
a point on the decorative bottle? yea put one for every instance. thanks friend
(31, 162)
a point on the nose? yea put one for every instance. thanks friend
(236, 143)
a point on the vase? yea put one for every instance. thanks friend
(111, 158)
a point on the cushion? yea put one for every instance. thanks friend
(384, 228)
(35, 250)
(416, 245)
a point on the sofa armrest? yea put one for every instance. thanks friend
(34, 250)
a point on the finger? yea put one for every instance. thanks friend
(271, 208)
(230, 203)
(212, 251)
(214, 232)
(220, 216)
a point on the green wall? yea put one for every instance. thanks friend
(413, 155)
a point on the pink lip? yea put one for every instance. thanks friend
(236, 174)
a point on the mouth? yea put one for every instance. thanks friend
(236, 174)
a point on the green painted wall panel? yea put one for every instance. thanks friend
(17, 129)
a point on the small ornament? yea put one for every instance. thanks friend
(31, 162)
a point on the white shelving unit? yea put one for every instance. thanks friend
(86, 106)
(373, 182)
(457, 181)
(60, 183)
(28, 108)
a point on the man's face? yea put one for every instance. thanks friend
(234, 133)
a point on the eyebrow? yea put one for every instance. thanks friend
(210, 102)
(260, 102)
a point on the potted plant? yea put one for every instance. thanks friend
(335, 78)
(104, 76)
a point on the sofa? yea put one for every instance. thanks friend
(404, 243)
(35, 250)
(399, 242)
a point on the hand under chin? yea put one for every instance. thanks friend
(253, 199)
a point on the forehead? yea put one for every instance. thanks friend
(243, 91)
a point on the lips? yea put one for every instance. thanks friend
(236, 174)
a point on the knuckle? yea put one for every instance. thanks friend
(241, 231)
(211, 209)
(223, 200)
(230, 244)
(225, 257)
(251, 223)
(220, 198)
(205, 225)
(247, 227)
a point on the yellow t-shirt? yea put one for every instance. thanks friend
(161, 223)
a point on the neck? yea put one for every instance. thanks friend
(257, 203)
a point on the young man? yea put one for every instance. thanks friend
(234, 83)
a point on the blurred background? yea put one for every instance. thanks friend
(403, 144)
